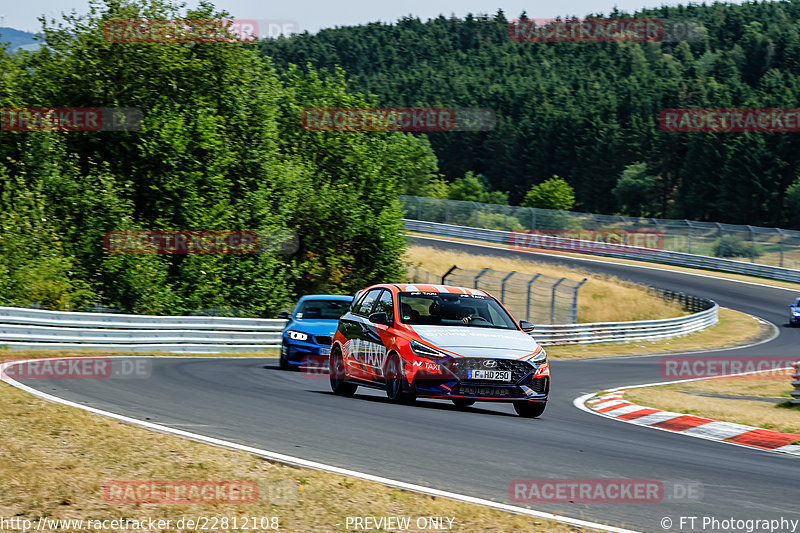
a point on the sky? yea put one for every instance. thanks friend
(313, 15)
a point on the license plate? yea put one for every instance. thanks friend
(324, 351)
(490, 375)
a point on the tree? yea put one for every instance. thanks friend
(635, 191)
(554, 193)
(475, 188)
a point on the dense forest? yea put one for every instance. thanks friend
(220, 148)
(588, 112)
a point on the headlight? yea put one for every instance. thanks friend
(540, 357)
(422, 350)
(297, 335)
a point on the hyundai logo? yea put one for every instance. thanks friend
(490, 363)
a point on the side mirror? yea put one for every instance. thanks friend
(380, 318)
(526, 326)
(284, 315)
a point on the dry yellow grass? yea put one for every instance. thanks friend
(750, 412)
(601, 299)
(55, 460)
(734, 328)
(716, 274)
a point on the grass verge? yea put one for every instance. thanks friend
(733, 329)
(601, 299)
(678, 398)
(55, 461)
(714, 273)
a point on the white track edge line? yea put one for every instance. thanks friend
(296, 461)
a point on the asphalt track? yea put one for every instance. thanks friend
(479, 451)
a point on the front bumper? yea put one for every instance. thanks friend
(528, 381)
(300, 353)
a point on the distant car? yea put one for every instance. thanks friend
(794, 312)
(438, 341)
(308, 335)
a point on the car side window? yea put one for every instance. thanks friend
(384, 305)
(364, 307)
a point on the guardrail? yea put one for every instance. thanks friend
(796, 383)
(529, 241)
(38, 329)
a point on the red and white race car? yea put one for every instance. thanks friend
(438, 341)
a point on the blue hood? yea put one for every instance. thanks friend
(313, 326)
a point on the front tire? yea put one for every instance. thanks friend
(337, 375)
(529, 409)
(284, 363)
(395, 388)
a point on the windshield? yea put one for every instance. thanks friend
(447, 309)
(322, 309)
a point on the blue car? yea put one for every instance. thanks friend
(308, 336)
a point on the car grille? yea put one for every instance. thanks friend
(539, 385)
(461, 367)
(325, 340)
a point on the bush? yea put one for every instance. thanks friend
(733, 246)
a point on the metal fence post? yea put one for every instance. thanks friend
(780, 245)
(689, 235)
(528, 300)
(503, 286)
(752, 243)
(419, 208)
(482, 272)
(477, 211)
(447, 211)
(452, 268)
(574, 311)
(553, 300)
(564, 219)
(533, 218)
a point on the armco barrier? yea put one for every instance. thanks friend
(37, 329)
(522, 241)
